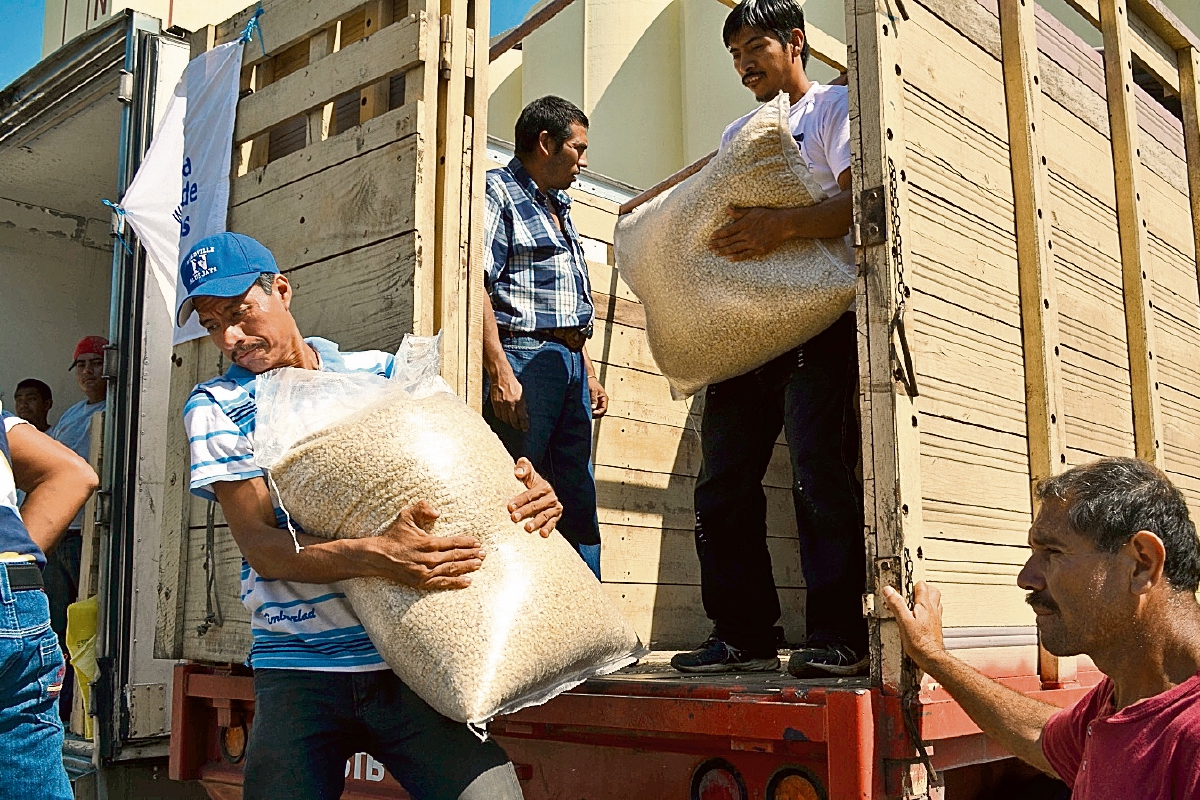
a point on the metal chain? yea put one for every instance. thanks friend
(912, 679)
(902, 290)
(213, 615)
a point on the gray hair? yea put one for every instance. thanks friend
(266, 281)
(1111, 499)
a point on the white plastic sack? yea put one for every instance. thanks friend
(709, 319)
(347, 452)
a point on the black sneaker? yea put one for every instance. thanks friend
(828, 661)
(717, 655)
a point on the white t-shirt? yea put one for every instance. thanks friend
(820, 124)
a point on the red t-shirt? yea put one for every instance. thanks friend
(1150, 749)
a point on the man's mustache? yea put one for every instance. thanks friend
(1040, 601)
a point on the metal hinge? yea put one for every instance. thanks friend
(111, 356)
(125, 86)
(444, 62)
(872, 227)
(888, 572)
(103, 516)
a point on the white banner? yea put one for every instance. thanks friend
(180, 193)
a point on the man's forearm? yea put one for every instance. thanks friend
(1011, 718)
(494, 359)
(829, 219)
(272, 554)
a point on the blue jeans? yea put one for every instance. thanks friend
(559, 440)
(31, 678)
(810, 392)
(306, 724)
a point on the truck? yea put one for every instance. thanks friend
(1027, 221)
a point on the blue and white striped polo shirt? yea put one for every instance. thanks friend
(295, 625)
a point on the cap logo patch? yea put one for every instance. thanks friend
(198, 263)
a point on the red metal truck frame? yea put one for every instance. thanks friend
(848, 737)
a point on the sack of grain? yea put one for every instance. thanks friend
(709, 319)
(534, 621)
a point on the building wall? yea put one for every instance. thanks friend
(56, 289)
(653, 76)
(66, 19)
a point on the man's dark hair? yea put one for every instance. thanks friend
(551, 114)
(1112, 499)
(775, 17)
(42, 389)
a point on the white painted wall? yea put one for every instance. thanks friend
(55, 270)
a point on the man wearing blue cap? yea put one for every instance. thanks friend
(322, 692)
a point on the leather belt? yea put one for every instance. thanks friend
(573, 338)
(22, 576)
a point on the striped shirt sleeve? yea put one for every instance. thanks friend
(220, 450)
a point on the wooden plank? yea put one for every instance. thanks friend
(421, 85)
(393, 126)
(286, 23)
(1147, 422)
(320, 119)
(1164, 22)
(89, 558)
(253, 154)
(891, 444)
(473, 200)
(373, 99)
(1046, 437)
(1189, 72)
(392, 50)
(449, 264)
(189, 361)
(365, 200)
(362, 300)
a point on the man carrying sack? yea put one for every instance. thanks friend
(809, 392)
(322, 692)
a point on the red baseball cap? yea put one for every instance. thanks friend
(88, 345)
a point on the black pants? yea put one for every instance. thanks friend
(306, 724)
(810, 393)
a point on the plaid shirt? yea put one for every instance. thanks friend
(535, 274)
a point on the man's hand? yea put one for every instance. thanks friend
(752, 233)
(508, 400)
(539, 505)
(408, 554)
(599, 397)
(920, 628)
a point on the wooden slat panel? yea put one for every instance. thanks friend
(668, 616)
(393, 50)
(365, 200)
(654, 555)
(1147, 46)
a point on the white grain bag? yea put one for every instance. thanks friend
(534, 621)
(709, 319)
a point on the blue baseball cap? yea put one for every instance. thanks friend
(223, 265)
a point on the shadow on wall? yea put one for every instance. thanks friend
(638, 136)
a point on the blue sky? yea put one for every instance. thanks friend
(23, 37)
(23, 27)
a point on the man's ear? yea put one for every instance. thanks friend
(285, 290)
(1149, 557)
(798, 41)
(546, 144)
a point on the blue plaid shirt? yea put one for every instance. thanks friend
(535, 274)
